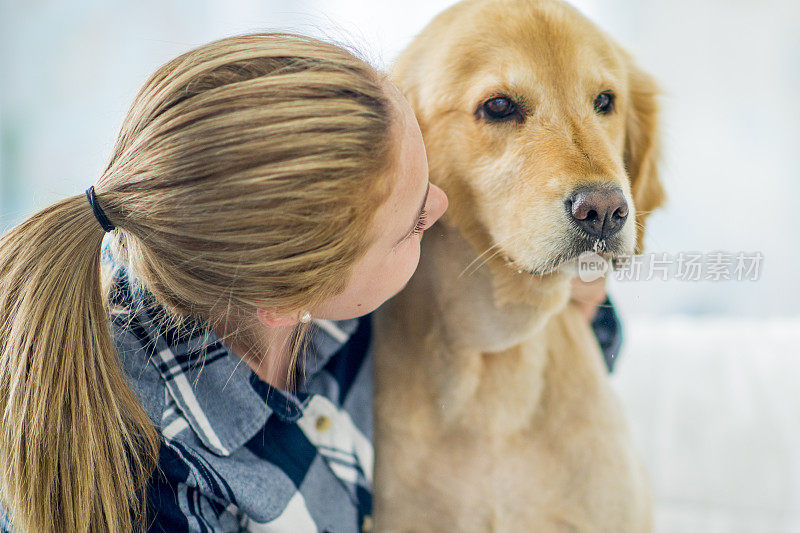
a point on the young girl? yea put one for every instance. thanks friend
(266, 193)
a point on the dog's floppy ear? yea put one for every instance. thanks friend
(642, 147)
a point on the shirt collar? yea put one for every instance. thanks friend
(224, 401)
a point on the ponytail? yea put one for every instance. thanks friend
(245, 177)
(76, 447)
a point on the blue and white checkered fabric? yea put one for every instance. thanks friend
(238, 454)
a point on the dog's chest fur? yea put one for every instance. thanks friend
(527, 437)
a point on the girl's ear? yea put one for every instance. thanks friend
(642, 146)
(273, 318)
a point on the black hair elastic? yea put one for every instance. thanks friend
(98, 213)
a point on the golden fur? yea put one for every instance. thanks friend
(493, 412)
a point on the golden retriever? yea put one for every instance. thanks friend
(492, 407)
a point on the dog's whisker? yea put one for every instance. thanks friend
(478, 266)
(487, 260)
(502, 242)
(498, 245)
(487, 250)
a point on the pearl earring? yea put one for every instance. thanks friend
(306, 318)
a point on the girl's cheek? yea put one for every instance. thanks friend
(406, 258)
(414, 255)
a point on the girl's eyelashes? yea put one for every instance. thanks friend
(420, 227)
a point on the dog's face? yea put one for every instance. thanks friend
(538, 127)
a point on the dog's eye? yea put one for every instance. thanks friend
(499, 108)
(604, 103)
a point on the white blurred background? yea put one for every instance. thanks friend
(709, 370)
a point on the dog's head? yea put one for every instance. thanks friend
(538, 126)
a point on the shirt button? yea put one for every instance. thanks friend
(323, 424)
(366, 524)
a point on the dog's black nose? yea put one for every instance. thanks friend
(599, 211)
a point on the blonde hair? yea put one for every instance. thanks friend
(245, 176)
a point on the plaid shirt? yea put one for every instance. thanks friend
(239, 455)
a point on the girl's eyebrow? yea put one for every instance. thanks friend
(419, 214)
